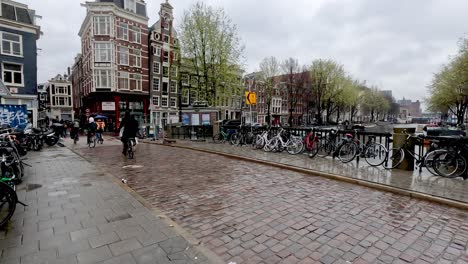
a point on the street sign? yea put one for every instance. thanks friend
(250, 98)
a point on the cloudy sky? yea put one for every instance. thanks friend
(394, 44)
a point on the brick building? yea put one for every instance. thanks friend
(165, 68)
(113, 66)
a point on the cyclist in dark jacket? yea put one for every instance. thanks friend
(130, 130)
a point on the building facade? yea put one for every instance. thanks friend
(114, 61)
(18, 55)
(409, 108)
(60, 98)
(165, 69)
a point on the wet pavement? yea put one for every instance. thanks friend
(424, 182)
(77, 214)
(251, 213)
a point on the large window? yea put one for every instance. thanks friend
(135, 81)
(12, 74)
(61, 90)
(166, 38)
(12, 44)
(101, 25)
(62, 101)
(156, 100)
(157, 67)
(123, 55)
(164, 101)
(102, 79)
(135, 58)
(165, 71)
(173, 87)
(185, 96)
(122, 32)
(173, 102)
(124, 80)
(156, 84)
(130, 5)
(102, 52)
(164, 87)
(135, 34)
(166, 56)
(185, 79)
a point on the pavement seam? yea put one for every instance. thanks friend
(310, 172)
(195, 243)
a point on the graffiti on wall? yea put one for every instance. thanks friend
(13, 115)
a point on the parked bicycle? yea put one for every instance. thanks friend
(374, 153)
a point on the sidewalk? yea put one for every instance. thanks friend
(78, 214)
(425, 183)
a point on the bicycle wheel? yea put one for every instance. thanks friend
(294, 147)
(270, 145)
(429, 161)
(314, 148)
(130, 150)
(375, 154)
(446, 164)
(8, 201)
(233, 138)
(394, 158)
(217, 138)
(325, 148)
(347, 152)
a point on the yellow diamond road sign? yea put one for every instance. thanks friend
(250, 98)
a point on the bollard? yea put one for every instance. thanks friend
(398, 140)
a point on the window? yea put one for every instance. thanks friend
(164, 101)
(124, 81)
(194, 81)
(123, 55)
(60, 90)
(135, 58)
(175, 54)
(102, 52)
(165, 71)
(174, 71)
(102, 78)
(185, 96)
(135, 81)
(166, 23)
(157, 67)
(173, 87)
(156, 100)
(185, 79)
(61, 101)
(158, 51)
(130, 5)
(164, 88)
(12, 74)
(101, 25)
(135, 34)
(166, 38)
(12, 44)
(156, 84)
(122, 32)
(173, 102)
(166, 56)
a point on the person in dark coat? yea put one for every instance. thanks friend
(130, 130)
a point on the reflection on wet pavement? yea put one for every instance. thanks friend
(252, 213)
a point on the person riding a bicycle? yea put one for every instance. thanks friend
(75, 130)
(100, 129)
(130, 130)
(91, 127)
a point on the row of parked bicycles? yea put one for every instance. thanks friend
(444, 156)
(14, 145)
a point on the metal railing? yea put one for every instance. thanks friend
(191, 132)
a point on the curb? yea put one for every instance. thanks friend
(193, 242)
(309, 172)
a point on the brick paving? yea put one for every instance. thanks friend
(424, 182)
(251, 213)
(76, 214)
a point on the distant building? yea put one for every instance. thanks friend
(18, 55)
(60, 97)
(114, 61)
(409, 108)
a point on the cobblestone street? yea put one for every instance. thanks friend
(251, 213)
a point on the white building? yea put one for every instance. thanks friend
(60, 97)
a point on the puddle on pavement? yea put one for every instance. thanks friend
(32, 187)
(86, 185)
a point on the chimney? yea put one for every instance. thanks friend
(68, 70)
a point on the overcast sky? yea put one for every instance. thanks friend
(394, 44)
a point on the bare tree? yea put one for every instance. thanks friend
(269, 69)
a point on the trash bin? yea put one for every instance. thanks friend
(398, 140)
